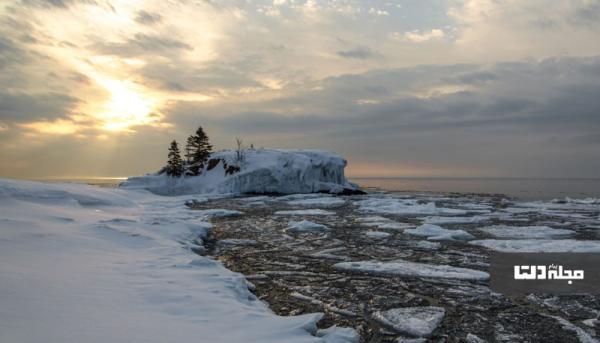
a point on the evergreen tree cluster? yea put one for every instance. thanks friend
(197, 151)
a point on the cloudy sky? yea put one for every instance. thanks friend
(400, 88)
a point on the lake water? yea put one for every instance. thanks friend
(525, 189)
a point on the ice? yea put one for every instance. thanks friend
(407, 268)
(305, 226)
(453, 220)
(437, 233)
(539, 245)
(87, 264)
(390, 205)
(377, 234)
(414, 321)
(307, 212)
(384, 223)
(218, 212)
(582, 335)
(322, 201)
(526, 232)
(427, 245)
(237, 241)
(262, 171)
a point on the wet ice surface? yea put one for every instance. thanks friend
(357, 258)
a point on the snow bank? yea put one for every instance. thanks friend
(539, 245)
(414, 321)
(437, 233)
(406, 268)
(86, 264)
(527, 232)
(262, 171)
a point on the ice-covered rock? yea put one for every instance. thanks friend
(414, 321)
(437, 233)
(305, 226)
(260, 171)
(407, 268)
(526, 232)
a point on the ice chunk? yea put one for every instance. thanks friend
(453, 220)
(414, 321)
(218, 212)
(437, 233)
(322, 201)
(308, 212)
(539, 245)
(377, 234)
(407, 268)
(305, 225)
(527, 232)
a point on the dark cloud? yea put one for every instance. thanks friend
(503, 123)
(148, 18)
(359, 53)
(143, 45)
(23, 107)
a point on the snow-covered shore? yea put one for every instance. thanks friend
(259, 171)
(85, 264)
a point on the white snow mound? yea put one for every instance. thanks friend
(261, 171)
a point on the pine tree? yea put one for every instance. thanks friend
(200, 150)
(174, 164)
(189, 149)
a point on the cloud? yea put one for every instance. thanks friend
(419, 37)
(360, 53)
(148, 18)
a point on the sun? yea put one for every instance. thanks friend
(127, 106)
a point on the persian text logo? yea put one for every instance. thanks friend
(551, 272)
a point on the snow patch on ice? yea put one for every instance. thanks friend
(391, 205)
(437, 233)
(407, 268)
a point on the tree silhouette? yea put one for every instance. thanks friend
(174, 163)
(199, 150)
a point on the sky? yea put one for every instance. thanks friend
(439, 88)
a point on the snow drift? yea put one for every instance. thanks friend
(260, 171)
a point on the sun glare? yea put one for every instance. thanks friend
(127, 106)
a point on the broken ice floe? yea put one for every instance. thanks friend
(307, 212)
(218, 212)
(322, 201)
(377, 234)
(305, 226)
(526, 232)
(437, 233)
(403, 206)
(453, 220)
(407, 268)
(414, 321)
(539, 245)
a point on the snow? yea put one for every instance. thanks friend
(406, 268)
(437, 233)
(305, 226)
(307, 212)
(262, 171)
(391, 205)
(414, 321)
(322, 201)
(526, 232)
(453, 220)
(539, 245)
(85, 264)
(377, 234)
